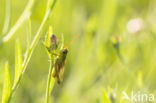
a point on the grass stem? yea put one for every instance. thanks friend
(50, 81)
(30, 50)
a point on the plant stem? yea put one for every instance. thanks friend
(23, 17)
(49, 83)
(30, 50)
(28, 32)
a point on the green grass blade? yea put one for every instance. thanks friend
(7, 85)
(105, 98)
(28, 32)
(22, 18)
(7, 16)
(140, 79)
(18, 63)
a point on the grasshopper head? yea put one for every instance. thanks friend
(65, 51)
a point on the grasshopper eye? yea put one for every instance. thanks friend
(65, 51)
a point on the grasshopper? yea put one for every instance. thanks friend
(60, 62)
(60, 57)
(59, 65)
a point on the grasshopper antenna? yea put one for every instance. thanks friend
(77, 36)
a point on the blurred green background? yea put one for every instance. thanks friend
(93, 63)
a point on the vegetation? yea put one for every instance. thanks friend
(114, 53)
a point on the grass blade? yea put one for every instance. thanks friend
(28, 32)
(140, 79)
(32, 46)
(18, 63)
(23, 17)
(7, 85)
(105, 98)
(7, 17)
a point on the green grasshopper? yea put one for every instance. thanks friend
(59, 65)
(60, 57)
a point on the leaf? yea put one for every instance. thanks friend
(18, 63)
(7, 85)
(105, 98)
